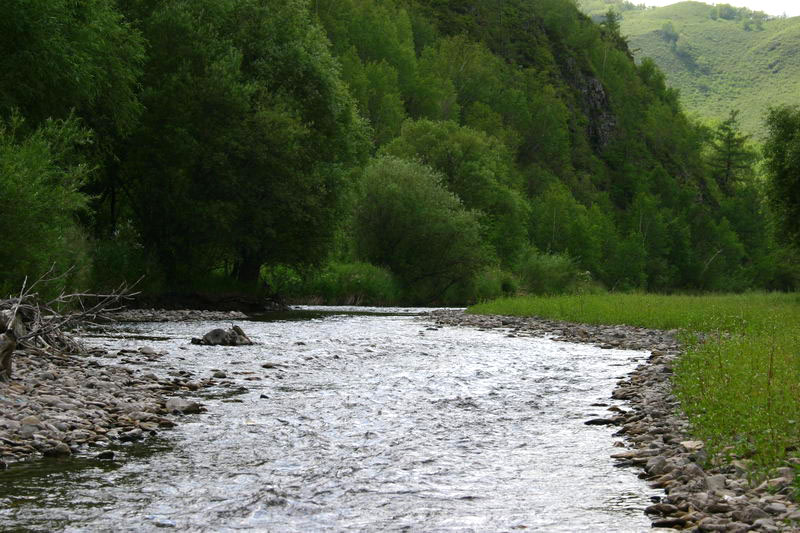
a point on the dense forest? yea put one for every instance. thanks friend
(373, 151)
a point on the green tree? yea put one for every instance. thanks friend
(409, 222)
(782, 157)
(731, 159)
(61, 56)
(479, 169)
(41, 178)
(248, 138)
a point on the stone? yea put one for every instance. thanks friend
(183, 406)
(132, 435)
(716, 482)
(59, 450)
(670, 522)
(31, 421)
(692, 446)
(602, 422)
(765, 524)
(220, 337)
(775, 508)
(106, 455)
(656, 465)
(661, 508)
(750, 514)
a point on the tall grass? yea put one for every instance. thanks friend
(739, 378)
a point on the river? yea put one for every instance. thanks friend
(360, 422)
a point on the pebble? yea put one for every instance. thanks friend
(58, 405)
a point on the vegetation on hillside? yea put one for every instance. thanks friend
(720, 57)
(454, 151)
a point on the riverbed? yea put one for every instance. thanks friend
(344, 421)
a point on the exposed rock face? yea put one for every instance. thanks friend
(594, 103)
(220, 337)
(602, 122)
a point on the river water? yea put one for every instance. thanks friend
(363, 422)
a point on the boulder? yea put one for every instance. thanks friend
(221, 337)
(183, 406)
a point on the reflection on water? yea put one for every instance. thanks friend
(359, 423)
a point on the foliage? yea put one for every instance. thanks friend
(229, 137)
(409, 222)
(731, 160)
(249, 168)
(782, 159)
(353, 284)
(549, 273)
(40, 177)
(479, 170)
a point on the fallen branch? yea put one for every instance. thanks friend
(27, 322)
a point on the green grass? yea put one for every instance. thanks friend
(716, 64)
(740, 386)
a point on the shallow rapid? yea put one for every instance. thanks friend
(359, 422)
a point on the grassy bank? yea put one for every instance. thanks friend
(739, 386)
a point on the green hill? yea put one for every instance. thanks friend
(719, 60)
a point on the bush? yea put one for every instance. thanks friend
(354, 284)
(123, 259)
(489, 284)
(408, 222)
(550, 273)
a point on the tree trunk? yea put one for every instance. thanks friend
(8, 343)
(248, 269)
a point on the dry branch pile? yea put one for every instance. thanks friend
(38, 326)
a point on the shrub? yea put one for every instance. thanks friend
(354, 284)
(408, 222)
(550, 273)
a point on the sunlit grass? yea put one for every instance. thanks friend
(739, 383)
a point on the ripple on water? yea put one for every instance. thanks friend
(377, 423)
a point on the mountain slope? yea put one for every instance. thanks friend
(746, 61)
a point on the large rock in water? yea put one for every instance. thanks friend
(220, 337)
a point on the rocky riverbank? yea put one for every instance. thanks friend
(174, 315)
(61, 405)
(701, 493)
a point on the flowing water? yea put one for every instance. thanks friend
(364, 422)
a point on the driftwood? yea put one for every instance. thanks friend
(28, 322)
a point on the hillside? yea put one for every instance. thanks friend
(747, 61)
(414, 151)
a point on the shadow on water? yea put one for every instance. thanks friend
(50, 482)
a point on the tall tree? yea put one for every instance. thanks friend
(248, 137)
(782, 156)
(731, 158)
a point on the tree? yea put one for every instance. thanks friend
(62, 56)
(40, 180)
(479, 169)
(782, 157)
(248, 139)
(668, 33)
(409, 222)
(731, 159)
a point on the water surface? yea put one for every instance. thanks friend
(364, 422)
